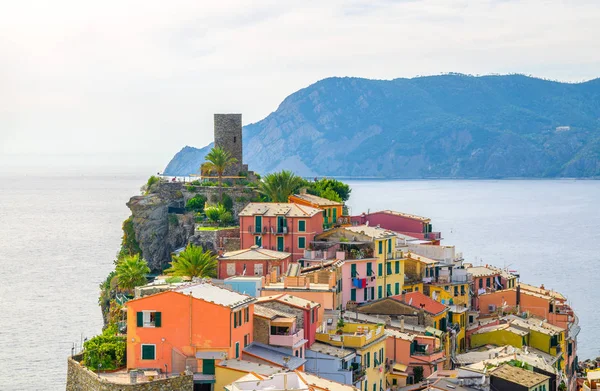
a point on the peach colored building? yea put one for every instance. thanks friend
(284, 227)
(253, 261)
(194, 326)
(332, 210)
(414, 351)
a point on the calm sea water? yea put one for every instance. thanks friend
(59, 236)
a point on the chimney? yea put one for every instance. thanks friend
(303, 191)
(403, 296)
(402, 323)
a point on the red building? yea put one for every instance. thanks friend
(253, 261)
(283, 227)
(306, 312)
(411, 225)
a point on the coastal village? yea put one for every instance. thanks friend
(308, 296)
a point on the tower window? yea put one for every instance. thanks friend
(234, 139)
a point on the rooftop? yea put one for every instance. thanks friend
(535, 324)
(398, 334)
(373, 232)
(289, 299)
(546, 292)
(274, 356)
(422, 259)
(270, 313)
(406, 215)
(483, 271)
(272, 209)
(290, 381)
(254, 253)
(330, 350)
(419, 300)
(215, 294)
(519, 376)
(249, 366)
(317, 200)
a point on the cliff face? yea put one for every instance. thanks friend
(162, 225)
(427, 127)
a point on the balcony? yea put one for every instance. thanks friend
(264, 229)
(358, 372)
(289, 340)
(319, 254)
(351, 335)
(283, 229)
(433, 235)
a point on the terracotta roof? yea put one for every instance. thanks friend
(416, 299)
(289, 299)
(317, 200)
(519, 376)
(254, 253)
(272, 209)
(483, 271)
(270, 313)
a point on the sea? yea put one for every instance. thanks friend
(59, 237)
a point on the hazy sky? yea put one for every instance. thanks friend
(111, 83)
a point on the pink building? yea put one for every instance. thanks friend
(414, 351)
(411, 225)
(284, 227)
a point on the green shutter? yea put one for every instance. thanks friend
(369, 269)
(397, 267)
(148, 352)
(353, 294)
(302, 242)
(380, 269)
(235, 320)
(397, 288)
(280, 243)
(140, 319)
(157, 319)
(237, 350)
(301, 225)
(353, 270)
(379, 292)
(208, 366)
(365, 294)
(389, 268)
(258, 223)
(380, 247)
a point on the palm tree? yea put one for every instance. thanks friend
(193, 262)
(278, 186)
(218, 160)
(131, 272)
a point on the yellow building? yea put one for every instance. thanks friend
(368, 339)
(503, 334)
(228, 371)
(332, 210)
(458, 316)
(390, 262)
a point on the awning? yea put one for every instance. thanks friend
(432, 331)
(400, 367)
(283, 322)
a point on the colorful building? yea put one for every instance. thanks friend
(458, 316)
(229, 371)
(307, 313)
(253, 261)
(369, 342)
(283, 227)
(332, 210)
(408, 224)
(278, 328)
(296, 380)
(194, 326)
(511, 378)
(412, 350)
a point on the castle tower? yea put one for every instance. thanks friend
(228, 135)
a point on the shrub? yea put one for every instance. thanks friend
(208, 184)
(219, 215)
(178, 194)
(105, 351)
(418, 374)
(173, 220)
(240, 199)
(227, 202)
(151, 181)
(195, 182)
(173, 279)
(192, 188)
(196, 203)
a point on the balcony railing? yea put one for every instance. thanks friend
(282, 229)
(287, 340)
(267, 229)
(358, 372)
(433, 235)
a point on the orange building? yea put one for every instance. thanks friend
(194, 326)
(332, 210)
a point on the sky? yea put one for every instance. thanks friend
(121, 86)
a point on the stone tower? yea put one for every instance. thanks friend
(228, 135)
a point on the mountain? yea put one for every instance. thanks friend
(427, 127)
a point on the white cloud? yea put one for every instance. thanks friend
(140, 79)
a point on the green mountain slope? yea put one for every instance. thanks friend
(437, 126)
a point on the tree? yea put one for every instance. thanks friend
(217, 161)
(196, 203)
(325, 186)
(131, 272)
(106, 351)
(418, 374)
(193, 262)
(218, 214)
(278, 186)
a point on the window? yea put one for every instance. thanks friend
(462, 290)
(365, 294)
(334, 220)
(258, 269)
(148, 352)
(397, 267)
(372, 293)
(246, 339)
(368, 360)
(379, 292)
(235, 320)
(301, 242)
(301, 225)
(446, 288)
(488, 282)
(234, 139)
(379, 269)
(389, 268)
(370, 269)
(353, 294)
(380, 247)
(389, 249)
(149, 319)
(237, 350)
(388, 290)
(480, 283)
(397, 288)
(366, 385)
(353, 272)
(375, 387)
(280, 243)
(455, 290)
(394, 382)
(247, 313)
(258, 241)
(257, 223)
(296, 353)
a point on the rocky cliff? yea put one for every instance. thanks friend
(427, 127)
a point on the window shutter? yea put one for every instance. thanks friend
(234, 320)
(157, 319)
(140, 319)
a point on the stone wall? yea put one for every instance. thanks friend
(80, 378)
(227, 239)
(289, 309)
(228, 135)
(262, 330)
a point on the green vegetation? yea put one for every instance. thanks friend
(147, 188)
(105, 351)
(196, 204)
(277, 187)
(418, 374)
(218, 215)
(227, 202)
(173, 280)
(193, 262)
(129, 245)
(217, 161)
(173, 220)
(131, 271)
(332, 189)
